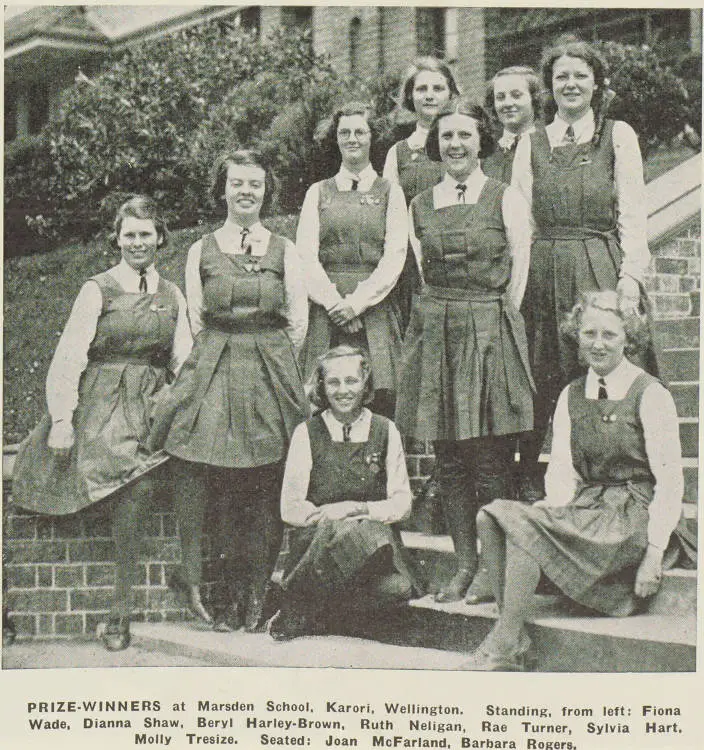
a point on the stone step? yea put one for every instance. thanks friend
(435, 560)
(192, 641)
(677, 332)
(565, 639)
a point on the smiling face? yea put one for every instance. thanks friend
(513, 103)
(138, 240)
(573, 87)
(344, 383)
(458, 137)
(602, 340)
(354, 139)
(244, 193)
(430, 92)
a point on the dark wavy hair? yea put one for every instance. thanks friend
(461, 106)
(535, 90)
(246, 158)
(316, 383)
(141, 207)
(431, 65)
(634, 324)
(326, 133)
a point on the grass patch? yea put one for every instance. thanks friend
(39, 292)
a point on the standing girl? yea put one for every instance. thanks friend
(465, 376)
(126, 335)
(238, 397)
(352, 234)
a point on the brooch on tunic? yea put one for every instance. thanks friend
(368, 200)
(610, 418)
(373, 461)
(414, 155)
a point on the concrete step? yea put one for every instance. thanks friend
(240, 649)
(565, 640)
(435, 560)
(677, 332)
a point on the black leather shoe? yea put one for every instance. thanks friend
(287, 625)
(190, 596)
(227, 619)
(115, 634)
(8, 630)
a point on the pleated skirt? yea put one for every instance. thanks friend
(236, 401)
(464, 371)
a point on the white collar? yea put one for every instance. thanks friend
(581, 126)
(624, 371)
(508, 138)
(475, 178)
(418, 137)
(367, 173)
(125, 268)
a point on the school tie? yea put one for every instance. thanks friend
(461, 190)
(346, 429)
(603, 395)
(244, 235)
(355, 184)
(569, 135)
(142, 280)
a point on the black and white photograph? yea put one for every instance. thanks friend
(350, 352)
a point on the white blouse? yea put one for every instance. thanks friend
(629, 185)
(71, 355)
(229, 238)
(516, 218)
(296, 510)
(382, 280)
(662, 444)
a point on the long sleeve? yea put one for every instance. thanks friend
(397, 505)
(631, 204)
(522, 175)
(415, 242)
(194, 288)
(295, 509)
(662, 444)
(71, 355)
(383, 278)
(561, 479)
(320, 289)
(391, 166)
(296, 296)
(516, 216)
(183, 341)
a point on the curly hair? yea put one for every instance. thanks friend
(461, 106)
(245, 158)
(635, 325)
(141, 207)
(316, 383)
(535, 90)
(431, 65)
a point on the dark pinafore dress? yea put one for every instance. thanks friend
(127, 365)
(416, 173)
(499, 164)
(465, 370)
(322, 558)
(239, 395)
(592, 547)
(351, 244)
(576, 250)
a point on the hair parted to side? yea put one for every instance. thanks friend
(461, 106)
(246, 158)
(431, 65)
(609, 300)
(141, 207)
(316, 384)
(535, 89)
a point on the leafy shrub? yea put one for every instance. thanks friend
(649, 95)
(131, 128)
